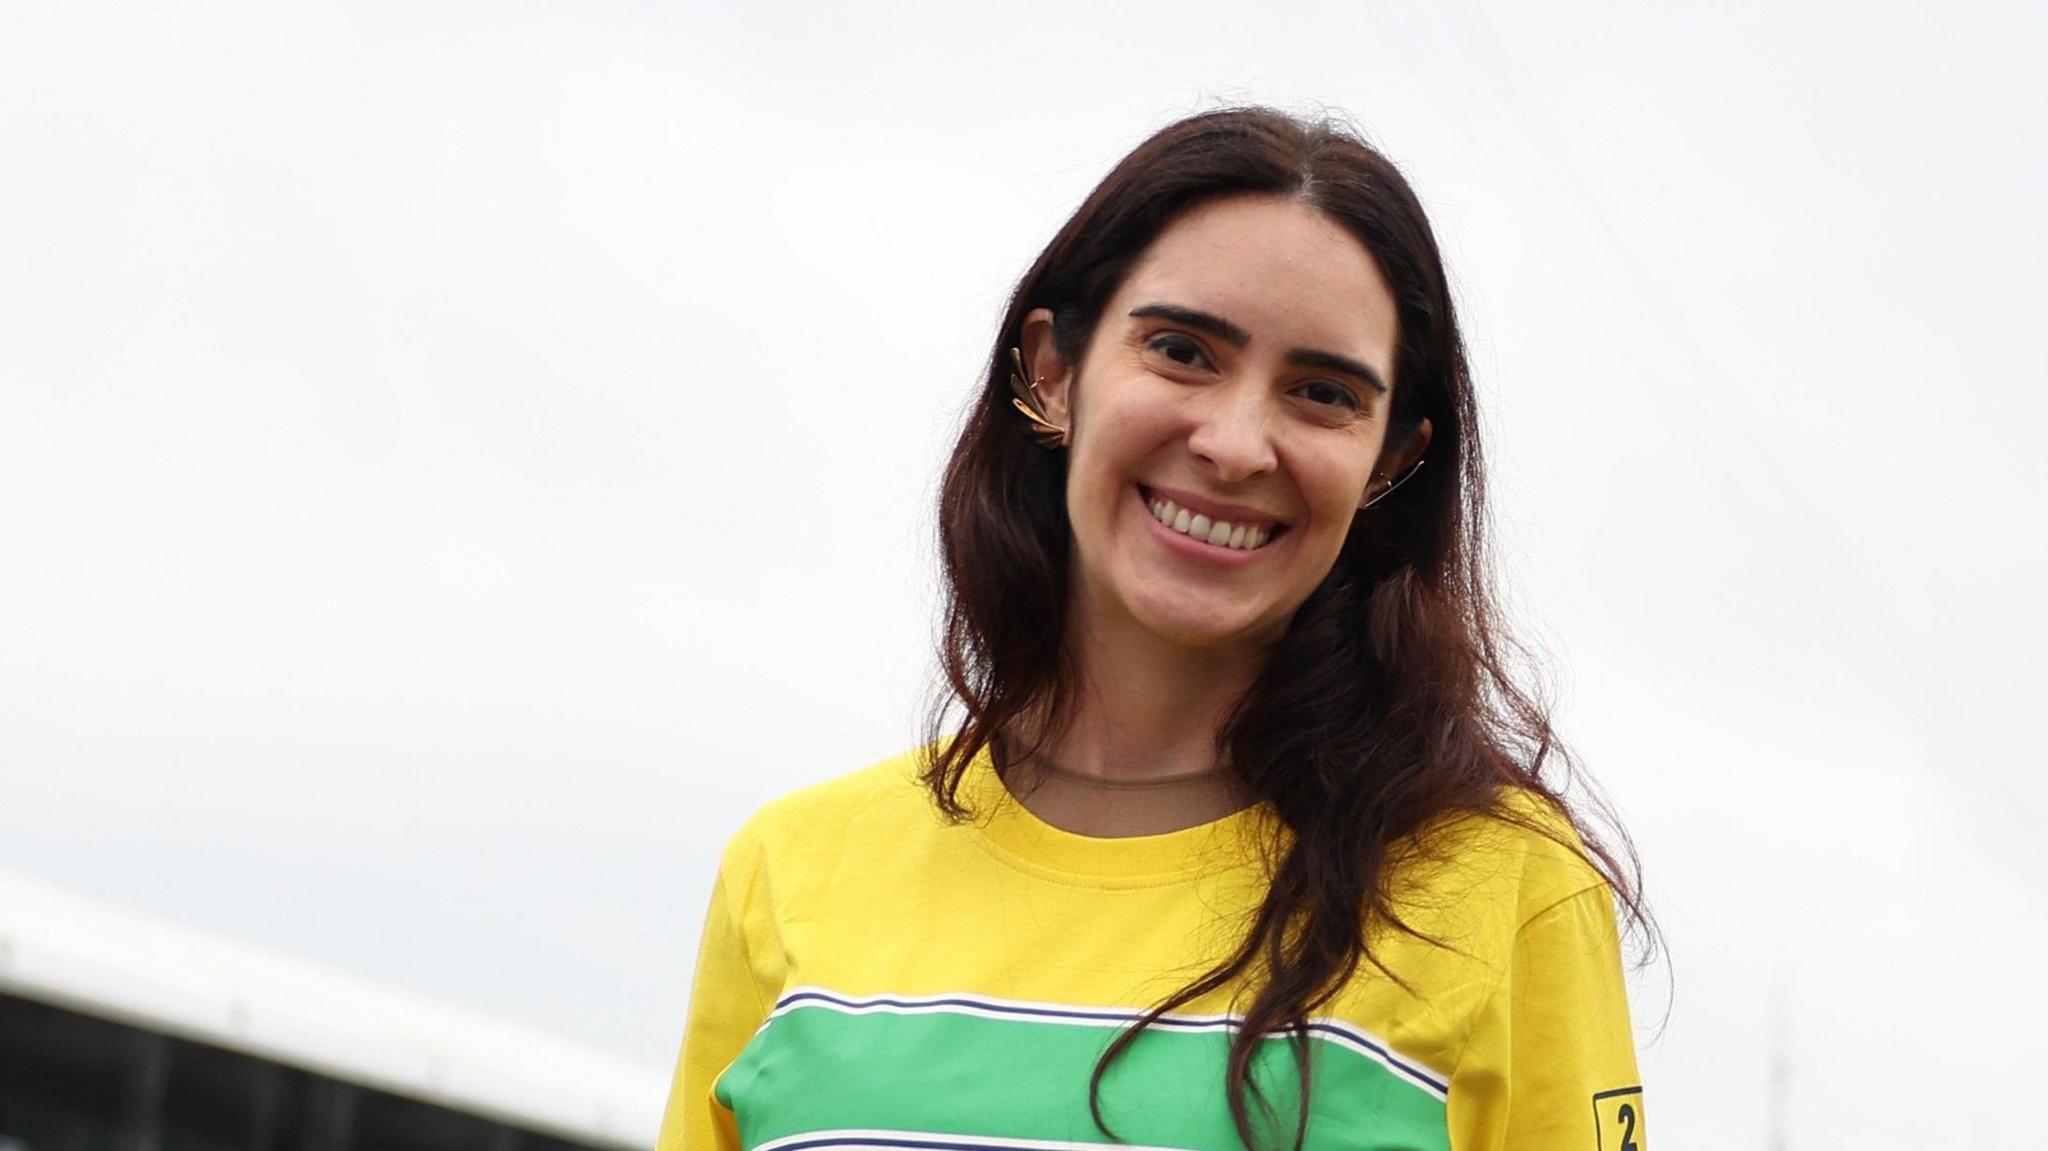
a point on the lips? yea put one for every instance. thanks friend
(1205, 522)
(1219, 533)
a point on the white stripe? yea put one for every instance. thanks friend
(1340, 1032)
(866, 1138)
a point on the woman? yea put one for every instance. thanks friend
(1242, 838)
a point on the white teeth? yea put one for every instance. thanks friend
(1218, 533)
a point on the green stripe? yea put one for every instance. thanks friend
(818, 1069)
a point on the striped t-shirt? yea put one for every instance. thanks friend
(873, 977)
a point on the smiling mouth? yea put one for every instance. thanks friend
(1217, 533)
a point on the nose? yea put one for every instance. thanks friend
(1232, 434)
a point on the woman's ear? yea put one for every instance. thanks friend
(1399, 456)
(1042, 364)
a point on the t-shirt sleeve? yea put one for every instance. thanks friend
(726, 1008)
(1550, 1064)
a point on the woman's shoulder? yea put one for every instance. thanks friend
(819, 815)
(1522, 856)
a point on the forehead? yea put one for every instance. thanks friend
(1278, 268)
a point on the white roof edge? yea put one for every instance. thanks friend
(70, 951)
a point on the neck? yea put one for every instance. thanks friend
(1144, 707)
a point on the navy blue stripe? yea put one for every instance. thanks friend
(959, 1144)
(1104, 1016)
(1394, 1061)
(976, 1004)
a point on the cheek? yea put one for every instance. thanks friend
(1338, 483)
(1120, 431)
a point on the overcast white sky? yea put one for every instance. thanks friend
(458, 459)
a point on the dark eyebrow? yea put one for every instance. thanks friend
(1237, 337)
(1303, 357)
(1200, 321)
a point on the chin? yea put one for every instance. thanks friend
(1197, 629)
(1192, 635)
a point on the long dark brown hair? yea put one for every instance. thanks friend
(1392, 700)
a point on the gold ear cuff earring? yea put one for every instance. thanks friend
(1391, 485)
(1047, 433)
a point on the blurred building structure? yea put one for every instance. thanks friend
(119, 1032)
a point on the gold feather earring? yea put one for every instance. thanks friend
(1391, 485)
(1026, 400)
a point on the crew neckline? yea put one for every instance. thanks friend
(1020, 837)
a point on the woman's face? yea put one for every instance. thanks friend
(1238, 377)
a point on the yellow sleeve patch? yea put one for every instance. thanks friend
(1618, 1120)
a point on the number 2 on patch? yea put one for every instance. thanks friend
(1618, 1120)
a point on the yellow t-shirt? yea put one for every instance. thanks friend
(873, 977)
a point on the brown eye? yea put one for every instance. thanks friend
(1327, 394)
(1178, 348)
